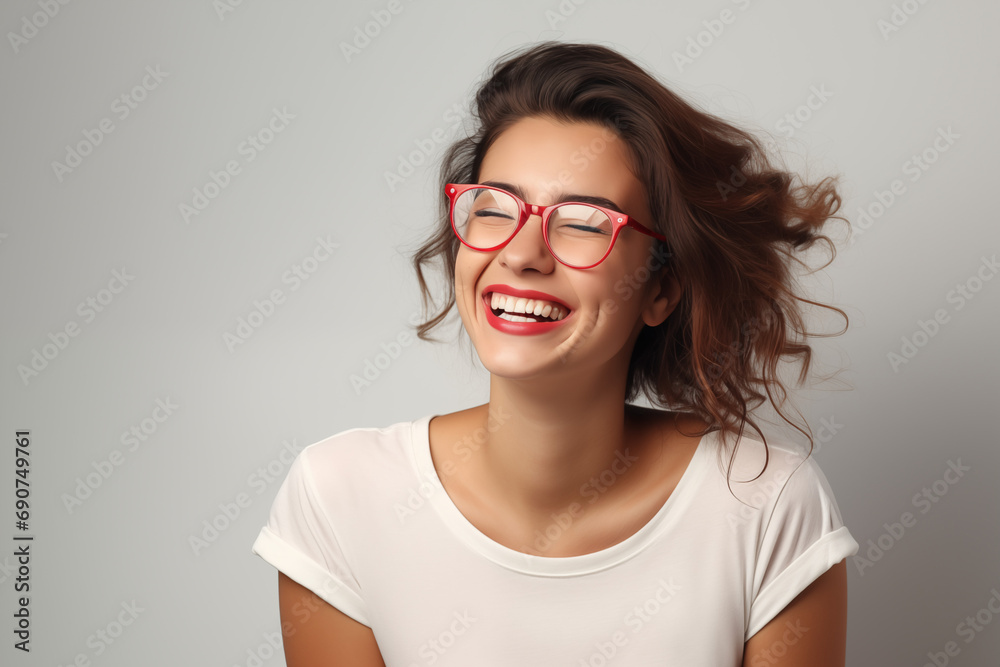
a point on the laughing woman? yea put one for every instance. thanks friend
(602, 239)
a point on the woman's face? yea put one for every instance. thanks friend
(548, 161)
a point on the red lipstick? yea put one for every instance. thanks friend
(520, 328)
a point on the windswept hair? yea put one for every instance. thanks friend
(732, 218)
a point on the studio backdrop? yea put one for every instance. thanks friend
(208, 211)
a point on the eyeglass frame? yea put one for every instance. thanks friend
(618, 220)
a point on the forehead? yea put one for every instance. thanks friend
(545, 156)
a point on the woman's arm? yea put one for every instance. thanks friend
(317, 634)
(811, 631)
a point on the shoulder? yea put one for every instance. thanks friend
(754, 470)
(361, 454)
(772, 488)
(766, 472)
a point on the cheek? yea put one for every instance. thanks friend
(468, 267)
(616, 282)
(624, 293)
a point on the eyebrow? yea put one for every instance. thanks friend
(564, 197)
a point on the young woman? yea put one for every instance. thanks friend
(603, 238)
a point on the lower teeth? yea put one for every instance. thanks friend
(518, 318)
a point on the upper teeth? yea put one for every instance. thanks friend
(513, 304)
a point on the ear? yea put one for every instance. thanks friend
(663, 297)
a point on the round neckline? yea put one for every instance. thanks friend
(561, 566)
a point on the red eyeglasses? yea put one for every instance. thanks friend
(578, 235)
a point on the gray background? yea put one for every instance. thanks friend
(323, 176)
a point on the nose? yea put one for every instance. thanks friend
(527, 249)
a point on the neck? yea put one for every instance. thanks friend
(549, 443)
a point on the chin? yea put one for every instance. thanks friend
(514, 364)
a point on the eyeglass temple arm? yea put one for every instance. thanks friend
(645, 230)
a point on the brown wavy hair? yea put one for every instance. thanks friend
(732, 218)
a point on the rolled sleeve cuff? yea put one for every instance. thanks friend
(820, 557)
(310, 574)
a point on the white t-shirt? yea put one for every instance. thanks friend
(364, 522)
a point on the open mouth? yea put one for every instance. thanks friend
(519, 309)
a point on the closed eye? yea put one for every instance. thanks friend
(588, 228)
(492, 213)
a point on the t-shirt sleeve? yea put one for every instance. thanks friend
(803, 537)
(300, 540)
